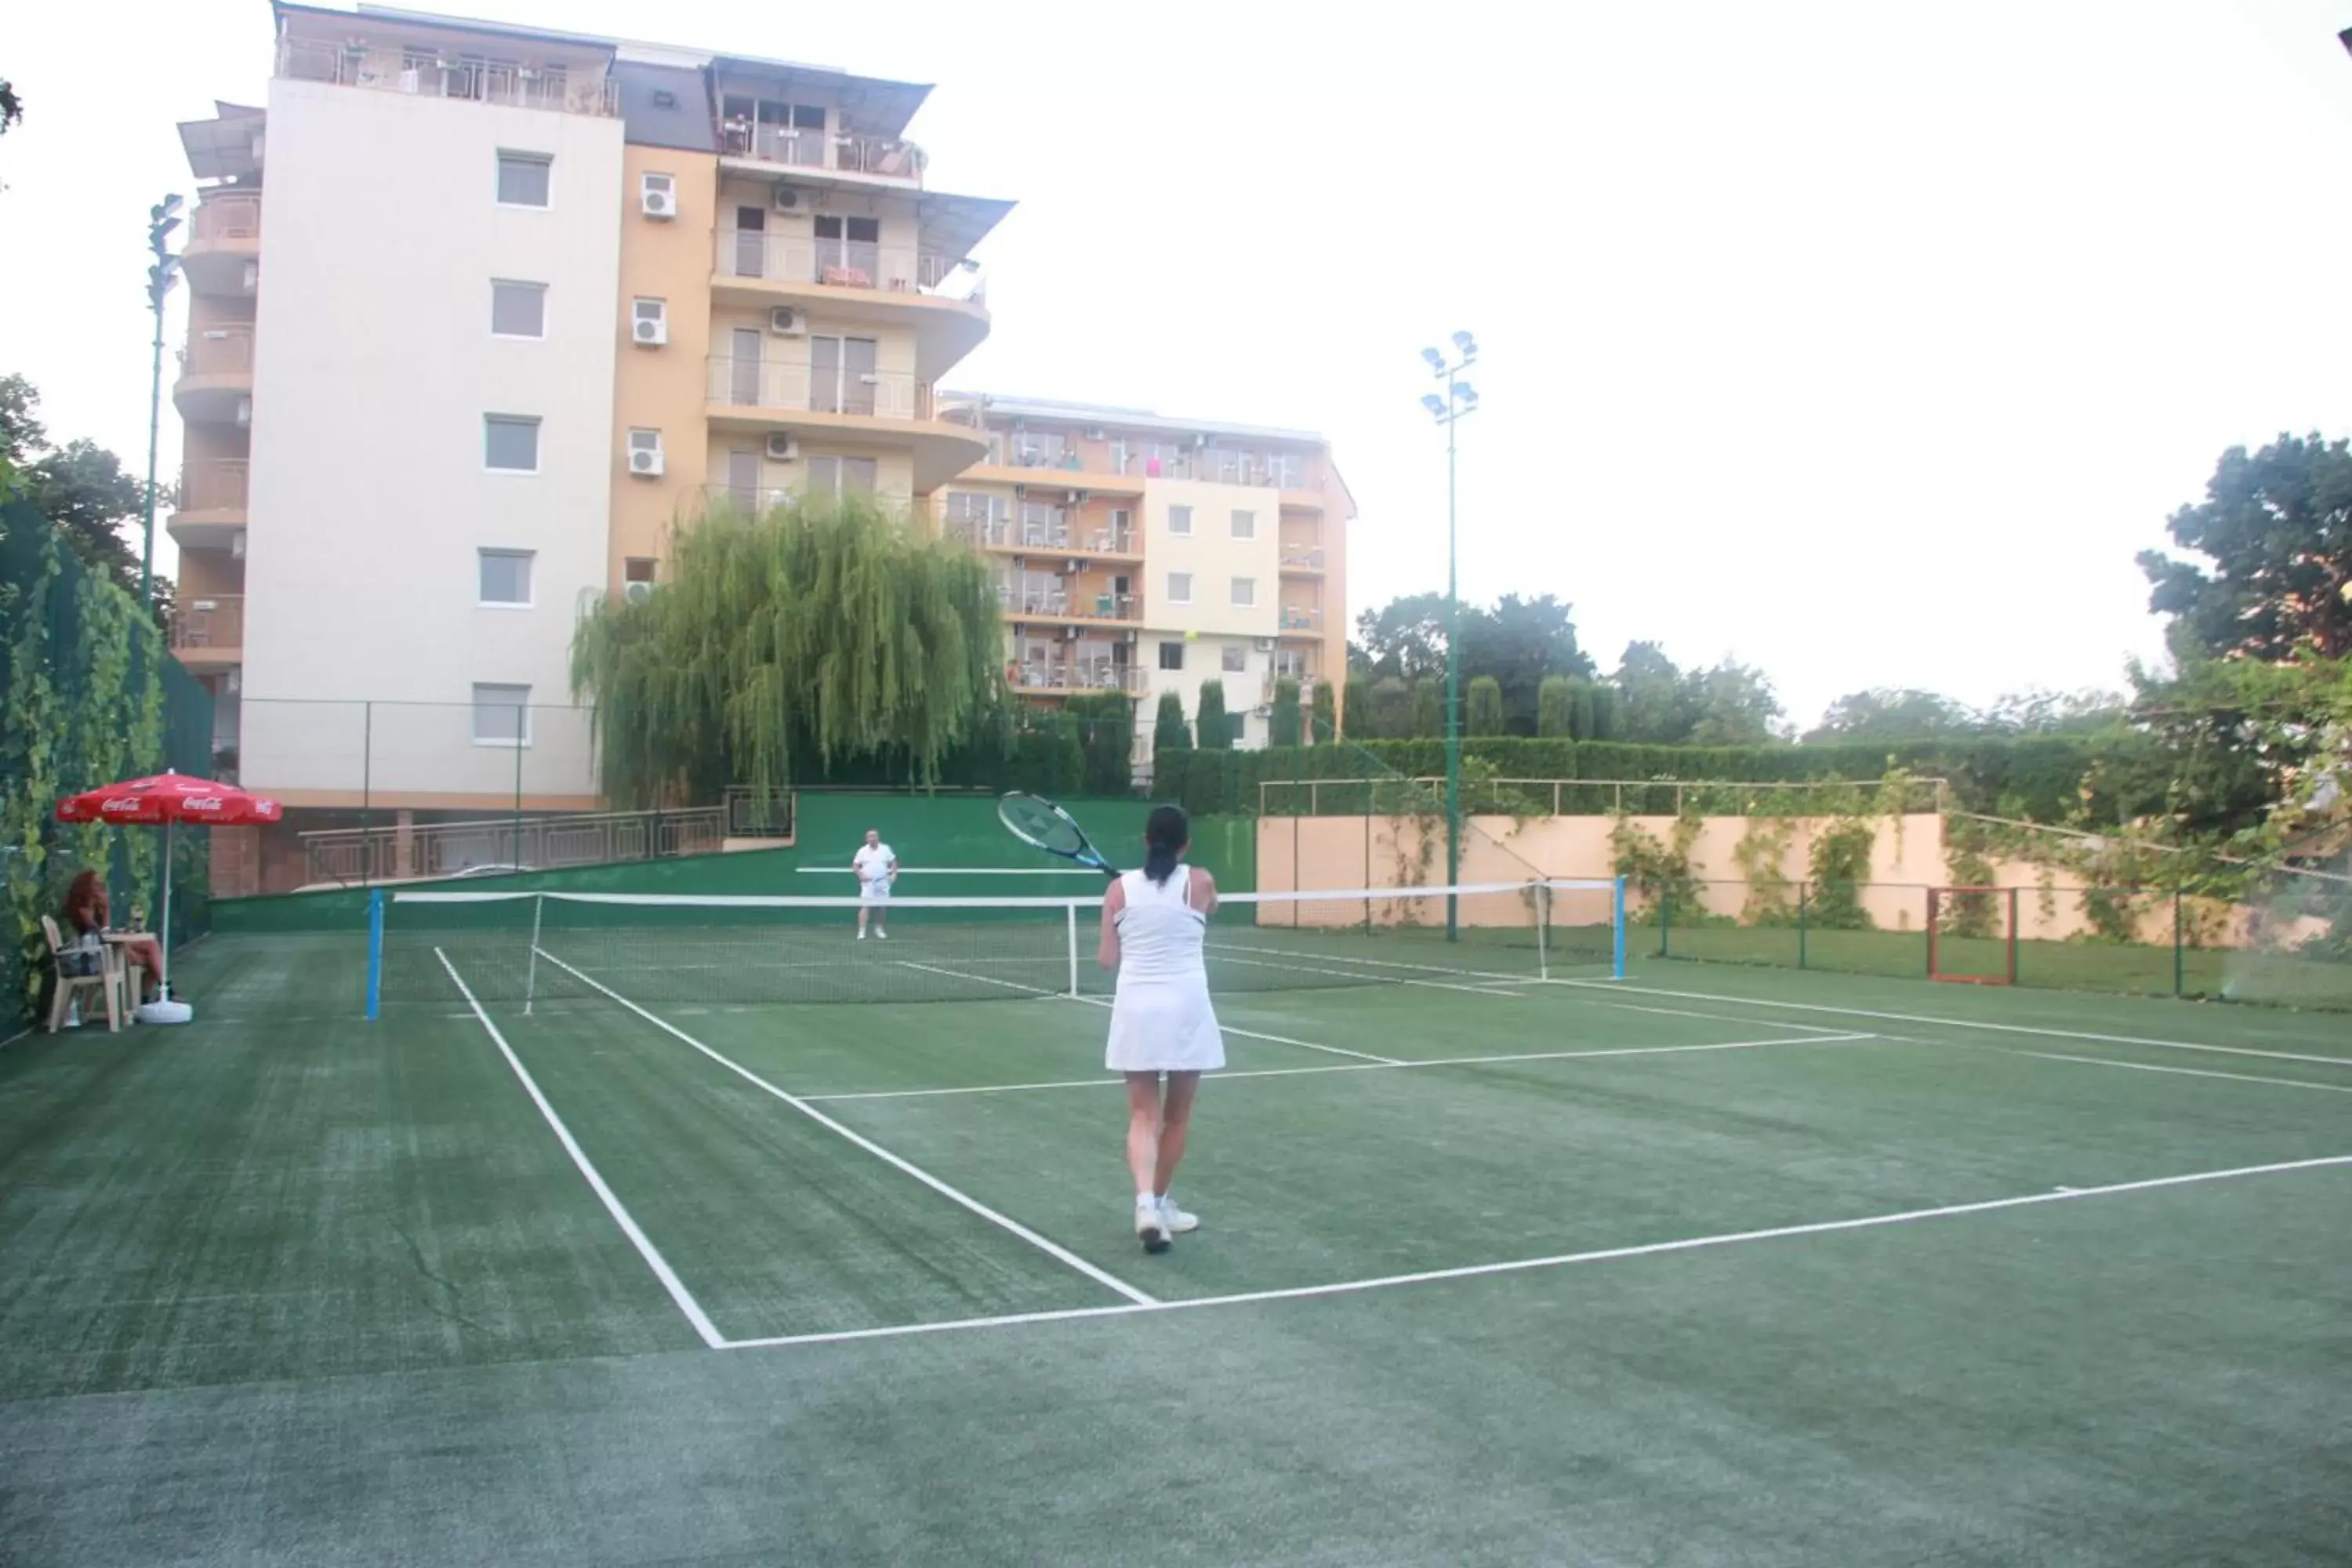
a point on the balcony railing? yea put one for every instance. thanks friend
(394, 69)
(1081, 604)
(804, 147)
(1055, 450)
(757, 501)
(218, 351)
(846, 264)
(876, 394)
(1303, 558)
(223, 216)
(393, 854)
(1033, 533)
(1306, 686)
(1080, 675)
(216, 621)
(1300, 618)
(212, 484)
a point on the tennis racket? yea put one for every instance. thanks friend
(1035, 820)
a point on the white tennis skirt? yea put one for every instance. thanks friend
(1156, 1026)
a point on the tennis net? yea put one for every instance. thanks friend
(545, 948)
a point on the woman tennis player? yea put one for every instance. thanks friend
(1153, 924)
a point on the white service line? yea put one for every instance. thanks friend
(1051, 1248)
(1524, 1265)
(1379, 963)
(645, 1248)
(983, 979)
(1226, 956)
(1710, 1017)
(1963, 1023)
(1373, 1065)
(2189, 1072)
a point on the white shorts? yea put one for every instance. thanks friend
(874, 892)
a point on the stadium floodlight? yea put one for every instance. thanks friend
(1436, 360)
(1435, 404)
(1466, 395)
(1460, 398)
(1467, 344)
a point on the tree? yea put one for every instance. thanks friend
(1388, 716)
(1323, 727)
(825, 630)
(81, 487)
(2039, 712)
(1105, 722)
(1890, 714)
(1283, 727)
(1556, 707)
(1216, 728)
(1486, 705)
(2277, 527)
(1654, 700)
(1736, 705)
(1428, 708)
(1168, 731)
(1517, 643)
(1405, 637)
(1603, 724)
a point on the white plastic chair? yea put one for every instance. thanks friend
(69, 987)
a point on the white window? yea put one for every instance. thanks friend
(501, 715)
(510, 443)
(1171, 656)
(1244, 592)
(1180, 519)
(505, 577)
(1236, 658)
(843, 476)
(1180, 587)
(523, 179)
(1245, 525)
(518, 309)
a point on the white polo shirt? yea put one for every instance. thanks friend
(873, 863)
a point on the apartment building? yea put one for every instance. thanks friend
(1146, 554)
(477, 313)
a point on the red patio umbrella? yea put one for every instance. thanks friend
(170, 799)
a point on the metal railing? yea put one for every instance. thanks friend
(1300, 618)
(1082, 605)
(214, 484)
(807, 147)
(1005, 533)
(397, 854)
(1275, 678)
(846, 264)
(757, 814)
(393, 69)
(1080, 675)
(1303, 558)
(1640, 797)
(216, 621)
(756, 500)
(801, 388)
(224, 214)
(218, 351)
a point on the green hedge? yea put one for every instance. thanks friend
(2039, 778)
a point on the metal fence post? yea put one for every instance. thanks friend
(1803, 917)
(1665, 923)
(367, 790)
(2177, 976)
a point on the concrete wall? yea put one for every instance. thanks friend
(374, 367)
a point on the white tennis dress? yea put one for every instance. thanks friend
(1160, 1019)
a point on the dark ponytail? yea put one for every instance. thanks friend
(1165, 835)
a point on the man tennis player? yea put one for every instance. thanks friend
(1154, 923)
(876, 866)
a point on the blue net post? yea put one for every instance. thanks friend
(1617, 925)
(376, 952)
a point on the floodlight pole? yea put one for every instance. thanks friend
(161, 219)
(1448, 410)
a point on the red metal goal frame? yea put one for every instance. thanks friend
(1936, 897)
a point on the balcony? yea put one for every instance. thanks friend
(1301, 621)
(419, 73)
(1054, 536)
(1302, 559)
(886, 407)
(211, 510)
(758, 500)
(223, 253)
(1067, 603)
(885, 160)
(1069, 677)
(1306, 686)
(215, 383)
(944, 299)
(209, 633)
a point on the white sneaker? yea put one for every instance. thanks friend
(1150, 1224)
(881, 936)
(1179, 1222)
(861, 936)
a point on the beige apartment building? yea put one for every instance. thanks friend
(478, 313)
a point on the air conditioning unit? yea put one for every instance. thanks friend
(793, 200)
(785, 322)
(1069, 633)
(237, 545)
(1095, 433)
(650, 322)
(252, 276)
(645, 453)
(236, 680)
(637, 593)
(245, 413)
(1262, 711)
(1265, 644)
(658, 194)
(781, 447)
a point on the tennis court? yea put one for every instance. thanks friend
(664, 1234)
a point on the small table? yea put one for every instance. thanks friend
(118, 963)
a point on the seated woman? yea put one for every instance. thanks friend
(85, 917)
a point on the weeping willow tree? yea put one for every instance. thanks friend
(822, 632)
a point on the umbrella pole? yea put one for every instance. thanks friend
(163, 981)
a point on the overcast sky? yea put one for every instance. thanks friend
(1863, 342)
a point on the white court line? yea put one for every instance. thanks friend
(1053, 1249)
(645, 1248)
(1710, 1017)
(2189, 1072)
(1521, 1265)
(983, 979)
(1373, 1065)
(1487, 974)
(1225, 1028)
(1961, 1022)
(1226, 956)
